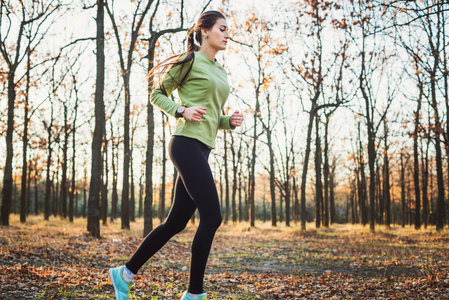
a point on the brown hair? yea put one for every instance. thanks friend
(206, 21)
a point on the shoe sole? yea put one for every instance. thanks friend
(113, 284)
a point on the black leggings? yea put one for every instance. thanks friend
(195, 188)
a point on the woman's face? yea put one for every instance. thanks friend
(217, 36)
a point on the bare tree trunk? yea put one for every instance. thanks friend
(353, 207)
(76, 205)
(240, 206)
(7, 175)
(295, 193)
(226, 177)
(28, 199)
(56, 204)
(371, 153)
(264, 213)
(288, 174)
(306, 166)
(295, 186)
(248, 189)
(287, 200)
(425, 182)
(404, 215)
(386, 181)
(164, 172)
(235, 165)
(126, 156)
(252, 179)
(132, 202)
(379, 205)
(416, 162)
(326, 172)
(104, 181)
(73, 190)
(132, 211)
(318, 183)
(440, 211)
(140, 211)
(63, 191)
(281, 200)
(23, 191)
(272, 180)
(148, 201)
(114, 163)
(362, 186)
(85, 194)
(446, 89)
(93, 217)
(36, 191)
(48, 182)
(333, 215)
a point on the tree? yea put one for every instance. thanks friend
(236, 155)
(125, 67)
(226, 175)
(164, 170)
(311, 71)
(23, 191)
(93, 215)
(155, 34)
(386, 178)
(13, 55)
(264, 48)
(373, 57)
(425, 43)
(72, 209)
(48, 182)
(286, 169)
(361, 179)
(318, 182)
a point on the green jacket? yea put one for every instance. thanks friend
(206, 85)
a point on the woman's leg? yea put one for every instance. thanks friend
(190, 158)
(195, 188)
(180, 214)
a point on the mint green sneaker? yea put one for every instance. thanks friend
(186, 296)
(121, 286)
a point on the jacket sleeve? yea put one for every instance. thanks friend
(160, 95)
(225, 123)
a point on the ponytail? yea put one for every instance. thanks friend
(194, 35)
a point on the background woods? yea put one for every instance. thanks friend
(346, 105)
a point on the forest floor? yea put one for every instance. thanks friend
(58, 260)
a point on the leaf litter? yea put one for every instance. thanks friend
(58, 260)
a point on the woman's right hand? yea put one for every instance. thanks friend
(194, 113)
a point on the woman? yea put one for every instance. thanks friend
(203, 88)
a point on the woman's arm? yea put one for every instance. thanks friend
(160, 95)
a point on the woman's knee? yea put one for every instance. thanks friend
(218, 222)
(175, 226)
(213, 222)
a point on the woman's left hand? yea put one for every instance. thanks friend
(236, 119)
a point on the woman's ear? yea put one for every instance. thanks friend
(204, 32)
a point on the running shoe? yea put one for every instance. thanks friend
(186, 296)
(121, 286)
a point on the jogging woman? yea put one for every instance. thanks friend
(203, 89)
